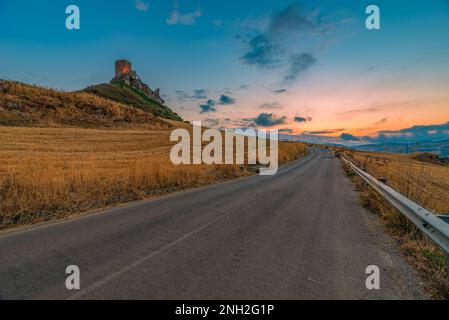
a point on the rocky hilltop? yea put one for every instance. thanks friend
(125, 101)
(127, 87)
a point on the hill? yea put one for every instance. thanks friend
(120, 92)
(26, 105)
(440, 148)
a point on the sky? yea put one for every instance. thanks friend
(303, 67)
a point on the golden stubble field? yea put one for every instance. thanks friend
(425, 183)
(50, 173)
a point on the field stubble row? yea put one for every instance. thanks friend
(50, 173)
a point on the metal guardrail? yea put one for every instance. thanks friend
(434, 227)
(444, 217)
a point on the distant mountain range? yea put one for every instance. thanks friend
(438, 147)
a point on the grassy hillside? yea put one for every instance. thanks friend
(125, 94)
(26, 105)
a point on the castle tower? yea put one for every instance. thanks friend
(125, 74)
(122, 67)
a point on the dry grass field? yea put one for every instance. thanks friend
(50, 173)
(426, 184)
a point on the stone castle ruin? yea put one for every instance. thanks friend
(124, 73)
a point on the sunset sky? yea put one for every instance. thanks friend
(307, 67)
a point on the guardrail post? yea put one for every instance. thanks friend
(447, 265)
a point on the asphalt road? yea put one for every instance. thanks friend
(300, 234)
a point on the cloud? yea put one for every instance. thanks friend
(244, 123)
(199, 94)
(210, 123)
(262, 52)
(421, 133)
(227, 90)
(270, 105)
(299, 63)
(208, 107)
(226, 100)
(301, 119)
(321, 132)
(286, 130)
(291, 18)
(377, 108)
(181, 95)
(273, 47)
(356, 112)
(188, 18)
(349, 137)
(382, 121)
(280, 91)
(268, 120)
(141, 5)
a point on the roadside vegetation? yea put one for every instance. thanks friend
(52, 173)
(425, 181)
